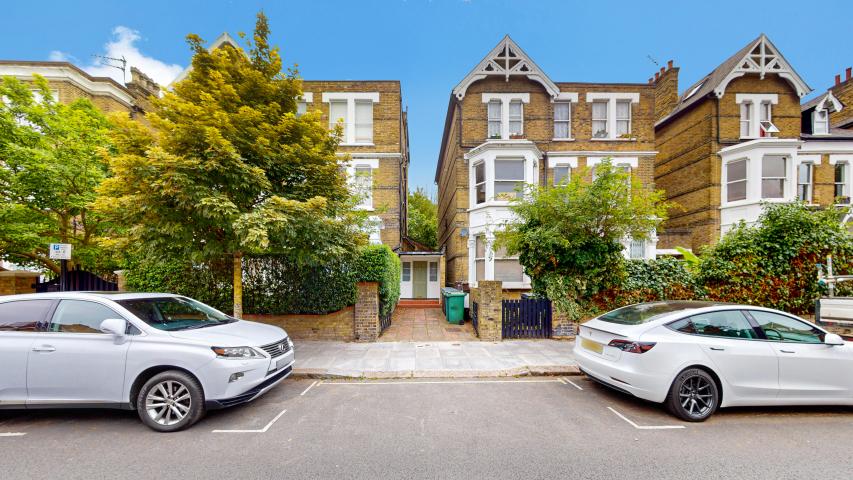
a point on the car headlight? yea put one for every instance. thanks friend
(290, 342)
(236, 352)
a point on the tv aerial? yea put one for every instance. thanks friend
(119, 63)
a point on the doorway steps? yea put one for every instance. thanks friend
(418, 303)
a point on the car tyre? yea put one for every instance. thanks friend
(693, 396)
(170, 401)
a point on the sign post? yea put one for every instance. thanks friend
(61, 252)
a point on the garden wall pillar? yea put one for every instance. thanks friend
(367, 312)
(489, 298)
(121, 280)
(17, 281)
(562, 328)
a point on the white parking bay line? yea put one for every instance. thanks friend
(309, 388)
(440, 382)
(566, 380)
(12, 434)
(645, 427)
(263, 430)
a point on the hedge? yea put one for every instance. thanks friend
(273, 284)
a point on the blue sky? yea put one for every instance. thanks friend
(431, 45)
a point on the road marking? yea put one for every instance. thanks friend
(645, 427)
(309, 388)
(573, 384)
(434, 382)
(263, 430)
(12, 434)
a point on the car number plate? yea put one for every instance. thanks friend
(281, 363)
(592, 346)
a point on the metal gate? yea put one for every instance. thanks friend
(527, 318)
(78, 281)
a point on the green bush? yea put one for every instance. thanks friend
(377, 263)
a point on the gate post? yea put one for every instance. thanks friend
(367, 327)
(490, 310)
(561, 327)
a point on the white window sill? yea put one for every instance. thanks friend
(356, 144)
(750, 201)
(632, 139)
(570, 139)
(364, 208)
(492, 203)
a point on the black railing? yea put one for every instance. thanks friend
(385, 321)
(474, 318)
(78, 281)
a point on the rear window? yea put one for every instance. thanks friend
(23, 315)
(647, 312)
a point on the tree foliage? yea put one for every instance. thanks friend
(50, 166)
(230, 169)
(423, 219)
(568, 236)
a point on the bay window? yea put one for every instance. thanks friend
(516, 118)
(804, 182)
(509, 176)
(480, 257)
(495, 116)
(562, 120)
(480, 182)
(842, 194)
(773, 176)
(637, 250)
(599, 119)
(623, 118)
(507, 268)
(736, 180)
(363, 121)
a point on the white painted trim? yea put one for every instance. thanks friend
(757, 98)
(503, 145)
(506, 97)
(633, 162)
(835, 159)
(364, 162)
(634, 97)
(350, 96)
(307, 97)
(556, 161)
(566, 97)
(813, 159)
(766, 142)
(604, 153)
(836, 105)
(369, 154)
(60, 73)
(769, 61)
(611, 98)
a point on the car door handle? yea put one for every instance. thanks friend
(44, 348)
(787, 351)
(717, 349)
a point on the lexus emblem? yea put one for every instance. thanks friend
(281, 347)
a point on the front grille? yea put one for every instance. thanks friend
(277, 349)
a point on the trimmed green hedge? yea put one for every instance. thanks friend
(273, 284)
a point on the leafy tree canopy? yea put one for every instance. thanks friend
(569, 236)
(50, 165)
(423, 219)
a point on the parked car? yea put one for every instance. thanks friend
(698, 356)
(168, 357)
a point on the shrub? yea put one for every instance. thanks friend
(377, 263)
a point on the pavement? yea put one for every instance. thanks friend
(425, 324)
(510, 428)
(436, 359)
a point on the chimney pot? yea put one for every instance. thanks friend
(651, 80)
(838, 79)
(662, 70)
(669, 64)
(847, 73)
(657, 76)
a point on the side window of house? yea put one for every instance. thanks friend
(736, 180)
(433, 271)
(24, 315)
(516, 118)
(562, 120)
(509, 176)
(726, 323)
(338, 114)
(480, 182)
(804, 182)
(599, 119)
(842, 195)
(80, 316)
(561, 174)
(786, 329)
(407, 271)
(623, 118)
(480, 257)
(363, 185)
(821, 122)
(507, 268)
(363, 121)
(773, 176)
(746, 119)
(494, 113)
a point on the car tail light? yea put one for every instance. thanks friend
(631, 346)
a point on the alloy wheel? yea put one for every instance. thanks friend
(696, 396)
(168, 402)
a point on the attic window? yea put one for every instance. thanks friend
(693, 91)
(821, 122)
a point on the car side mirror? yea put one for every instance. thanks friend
(833, 339)
(114, 326)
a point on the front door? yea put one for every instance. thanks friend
(419, 280)
(74, 362)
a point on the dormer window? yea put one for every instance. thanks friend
(820, 119)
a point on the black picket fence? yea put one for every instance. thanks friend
(78, 280)
(473, 312)
(527, 318)
(385, 321)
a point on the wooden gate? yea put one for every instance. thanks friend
(78, 281)
(527, 318)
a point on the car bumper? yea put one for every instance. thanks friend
(624, 376)
(252, 393)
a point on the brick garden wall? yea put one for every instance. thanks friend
(338, 326)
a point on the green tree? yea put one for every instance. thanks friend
(423, 219)
(568, 236)
(50, 165)
(230, 169)
(774, 263)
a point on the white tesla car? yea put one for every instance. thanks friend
(698, 356)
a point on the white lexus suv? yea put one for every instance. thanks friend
(168, 357)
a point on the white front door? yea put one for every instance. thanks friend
(73, 362)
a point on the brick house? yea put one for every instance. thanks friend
(740, 137)
(508, 123)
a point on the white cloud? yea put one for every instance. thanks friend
(123, 44)
(58, 56)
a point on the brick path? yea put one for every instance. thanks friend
(425, 324)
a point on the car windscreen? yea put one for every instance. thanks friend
(175, 313)
(647, 312)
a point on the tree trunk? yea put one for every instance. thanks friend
(238, 285)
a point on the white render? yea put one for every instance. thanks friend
(407, 286)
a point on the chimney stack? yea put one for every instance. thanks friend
(838, 79)
(847, 73)
(657, 76)
(669, 64)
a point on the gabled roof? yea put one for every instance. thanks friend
(758, 56)
(506, 59)
(221, 40)
(822, 102)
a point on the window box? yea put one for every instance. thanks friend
(517, 136)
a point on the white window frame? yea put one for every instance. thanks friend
(755, 112)
(611, 98)
(433, 271)
(618, 120)
(824, 130)
(349, 138)
(844, 183)
(516, 181)
(505, 99)
(484, 258)
(484, 182)
(360, 122)
(555, 162)
(809, 186)
(516, 119)
(406, 273)
(567, 122)
(633, 246)
(495, 122)
(600, 120)
(784, 178)
(496, 259)
(729, 181)
(351, 169)
(302, 103)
